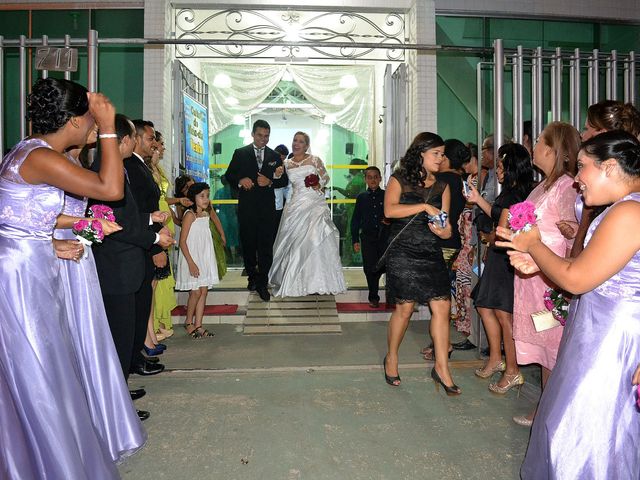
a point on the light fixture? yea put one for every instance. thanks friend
(337, 100)
(348, 81)
(232, 101)
(222, 80)
(238, 120)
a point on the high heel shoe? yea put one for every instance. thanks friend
(516, 380)
(390, 380)
(486, 372)
(450, 391)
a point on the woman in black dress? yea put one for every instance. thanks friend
(416, 271)
(493, 296)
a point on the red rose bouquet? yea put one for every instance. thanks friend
(522, 216)
(311, 180)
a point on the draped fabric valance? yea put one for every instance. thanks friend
(343, 94)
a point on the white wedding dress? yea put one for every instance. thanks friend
(306, 257)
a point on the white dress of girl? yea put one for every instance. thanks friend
(306, 257)
(200, 246)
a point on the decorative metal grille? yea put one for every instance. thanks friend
(312, 32)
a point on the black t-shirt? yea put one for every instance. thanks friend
(458, 201)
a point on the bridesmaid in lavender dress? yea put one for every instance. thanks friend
(588, 423)
(47, 429)
(112, 411)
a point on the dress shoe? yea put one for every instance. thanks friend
(161, 346)
(147, 368)
(137, 393)
(143, 415)
(264, 294)
(374, 303)
(252, 287)
(153, 351)
(464, 345)
(151, 359)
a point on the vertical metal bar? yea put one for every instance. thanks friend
(23, 86)
(574, 96)
(1, 95)
(595, 81)
(45, 42)
(625, 80)
(479, 91)
(518, 95)
(498, 95)
(632, 78)
(92, 56)
(614, 75)
(538, 104)
(67, 44)
(556, 86)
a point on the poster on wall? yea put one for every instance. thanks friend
(196, 141)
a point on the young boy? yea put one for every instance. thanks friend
(369, 230)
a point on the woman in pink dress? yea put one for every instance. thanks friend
(555, 154)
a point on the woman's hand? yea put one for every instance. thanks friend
(523, 262)
(567, 228)
(224, 240)
(159, 217)
(278, 172)
(103, 112)
(474, 194)
(68, 249)
(431, 210)
(443, 233)
(194, 271)
(185, 202)
(635, 380)
(108, 227)
(520, 241)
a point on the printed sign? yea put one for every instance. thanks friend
(196, 139)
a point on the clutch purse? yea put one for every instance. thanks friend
(543, 320)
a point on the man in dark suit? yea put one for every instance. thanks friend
(255, 170)
(120, 260)
(146, 193)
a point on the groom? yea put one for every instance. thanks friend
(252, 173)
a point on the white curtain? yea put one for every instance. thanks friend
(343, 94)
(395, 116)
(237, 89)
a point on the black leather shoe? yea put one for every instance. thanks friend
(143, 415)
(465, 345)
(151, 359)
(147, 368)
(264, 294)
(137, 393)
(374, 303)
(251, 286)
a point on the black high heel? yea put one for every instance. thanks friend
(390, 380)
(450, 391)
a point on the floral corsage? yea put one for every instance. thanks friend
(522, 216)
(311, 180)
(557, 302)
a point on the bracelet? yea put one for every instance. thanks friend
(107, 135)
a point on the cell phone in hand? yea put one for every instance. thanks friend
(465, 189)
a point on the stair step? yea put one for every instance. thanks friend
(326, 320)
(291, 329)
(277, 312)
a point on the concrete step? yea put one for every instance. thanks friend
(325, 320)
(291, 329)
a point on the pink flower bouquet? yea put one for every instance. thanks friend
(87, 232)
(101, 212)
(557, 303)
(522, 216)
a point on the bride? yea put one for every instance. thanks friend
(306, 258)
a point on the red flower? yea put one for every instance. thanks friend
(311, 180)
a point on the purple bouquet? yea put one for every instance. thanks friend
(557, 303)
(522, 216)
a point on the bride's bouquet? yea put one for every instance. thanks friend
(311, 180)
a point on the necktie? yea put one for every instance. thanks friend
(259, 154)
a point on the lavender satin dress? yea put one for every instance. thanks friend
(112, 411)
(46, 429)
(588, 425)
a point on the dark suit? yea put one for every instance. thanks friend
(146, 193)
(120, 262)
(256, 209)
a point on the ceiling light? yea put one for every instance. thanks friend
(348, 81)
(222, 80)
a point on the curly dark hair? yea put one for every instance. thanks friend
(53, 101)
(518, 169)
(180, 183)
(411, 169)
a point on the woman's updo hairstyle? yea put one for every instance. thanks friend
(194, 190)
(53, 101)
(457, 153)
(614, 115)
(411, 169)
(619, 145)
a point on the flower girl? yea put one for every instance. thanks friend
(197, 270)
